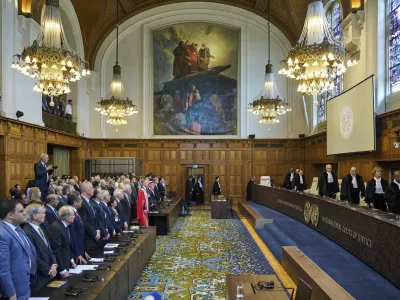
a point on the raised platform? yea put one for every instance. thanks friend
(251, 215)
(298, 265)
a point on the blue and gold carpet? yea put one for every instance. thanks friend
(192, 261)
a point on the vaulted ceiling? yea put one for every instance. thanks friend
(97, 17)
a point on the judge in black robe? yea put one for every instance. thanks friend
(294, 177)
(374, 196)
(189, 190)
(198, 192)
(325, 187)
(216, 187)
(249, 188)
(287, 182)
(348, 191)
(300, 182)
(392, 194)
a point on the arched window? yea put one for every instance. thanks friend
(394, 46)
(334, 18)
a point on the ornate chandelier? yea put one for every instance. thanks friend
(318, 57)
(116, 106)
(50, 59)
(268, 104)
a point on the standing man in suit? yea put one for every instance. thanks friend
(77, 228)
(18, 259)
(161, 188)
(392, 194)
(51, 209)
(100, 214)
(47, 264)
(249, 187)
(42, 175)
(287, 182)
(352, 185)
(104, 199)
(61, 241)
(216, 187)
(119, 195)
(328, 184)
(88, 215)
(126, 203)
(300, 182)
(189, 191)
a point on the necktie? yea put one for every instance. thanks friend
(28, 249)
(55, 212)
(77, 214)
(69, 234)
(43, 237)
(91, 206)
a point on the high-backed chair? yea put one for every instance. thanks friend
(265, 180)
(314, 187)
(303, 291)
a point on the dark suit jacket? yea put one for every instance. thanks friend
(162, 190)
(62, 202)
(287, 184)
(249, 189)
(297, 184)
(121, 214)
(392, 197)
(50, 215)
(370, 190)
(323, 183)
(77, 231)
(189, 190)
(293, 181)
(41, 175)
(109, 222)
(127, 206)
(45, 258)
(101, 219)
(345, 193)
(133, 194)
(61, 245)
(116, 222)
(89, 223)
(157, 193)
(216, 189)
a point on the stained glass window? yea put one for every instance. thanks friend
(334, 17)
(394, 46)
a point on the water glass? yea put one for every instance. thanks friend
(239, 291)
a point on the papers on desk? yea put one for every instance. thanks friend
(74, 271)
(108, 252)
(127, 231)
(56, 284)
(155, 212)
(86, 267)
(135, 227)
(110, 246)
(100, 260)
(39, 298)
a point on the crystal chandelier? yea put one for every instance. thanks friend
(50, 60)
(268, 105)
(116, 106)
(318, 57)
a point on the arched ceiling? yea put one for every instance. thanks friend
(97, 17)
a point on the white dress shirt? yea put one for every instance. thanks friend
(354, 181)
(68, 109)
(378, 186)
(301, 179)
(330, 177)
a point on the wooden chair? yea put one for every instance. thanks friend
(303, 291)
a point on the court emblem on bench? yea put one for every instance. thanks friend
(307, 212)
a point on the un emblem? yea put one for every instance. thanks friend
(307, 212)
(314, 215)
(346, 122)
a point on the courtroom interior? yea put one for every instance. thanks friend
(175, 149)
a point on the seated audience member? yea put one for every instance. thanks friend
(392, 194)
(34, 194)
(60, 241)
(299, 182)
(28, 187)
(21, 197)
(61, 200)
(375, 192)
(287, 182)
(18, 259)
(352, 186)
(88, 215)
(77, 228)
(119, 196)
(104, 198)
(328, 184)
(103, 184)
(46, 261)
(13, 192)
(51, 209)
(115, 215)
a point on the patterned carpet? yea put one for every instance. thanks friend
(192, 261)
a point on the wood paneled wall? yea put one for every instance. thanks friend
(235, 161)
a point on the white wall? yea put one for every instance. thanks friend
(135, 58)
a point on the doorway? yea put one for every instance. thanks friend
(197, 170)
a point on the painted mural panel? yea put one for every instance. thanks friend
(195, 79)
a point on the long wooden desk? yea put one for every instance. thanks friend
(373, 237)
(116, 282)
(165, 218)
(219, 208)
(250, 292)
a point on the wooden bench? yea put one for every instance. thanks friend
(251, 215)
(298, 265)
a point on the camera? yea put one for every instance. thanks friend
(55, 167)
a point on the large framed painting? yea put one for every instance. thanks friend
(195, 79)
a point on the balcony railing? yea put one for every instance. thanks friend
(58, 123)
